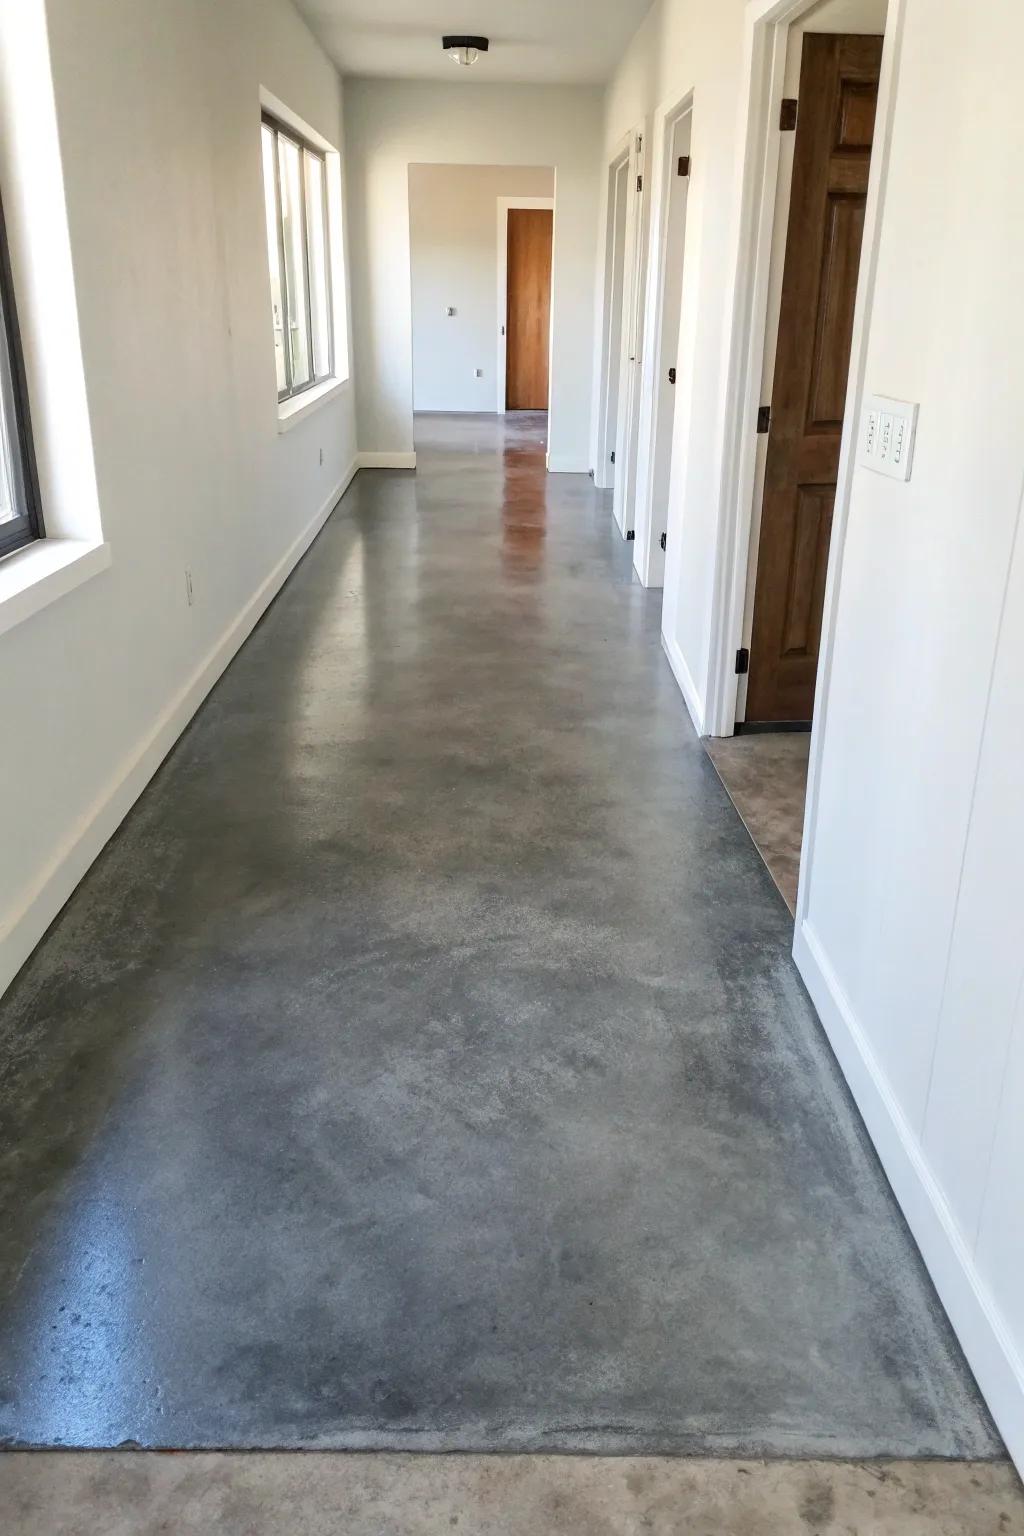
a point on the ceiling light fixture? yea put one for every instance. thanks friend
(464, 50)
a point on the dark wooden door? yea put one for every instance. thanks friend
(529, 309)
(835, 126)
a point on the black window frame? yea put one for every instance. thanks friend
(282, 130)
(27, 524)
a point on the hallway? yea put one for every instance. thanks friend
(423, 1064)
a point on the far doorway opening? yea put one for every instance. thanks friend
(826, 125)
(480, 247)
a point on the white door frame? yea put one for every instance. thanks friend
(766, 31)
(504, 204)
(632, 340)
(609, 364)
(663, 127)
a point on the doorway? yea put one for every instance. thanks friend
(826, 124)
(834, 111)
(611, 337)
(458, 251)
(670, 182)
(528, 245)
(627, 431)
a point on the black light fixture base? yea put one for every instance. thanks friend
(481, 44)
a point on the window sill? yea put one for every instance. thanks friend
(291, 412)
(42, 572)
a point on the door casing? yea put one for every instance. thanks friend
(632, 337)
(618, 213)
(648, 557)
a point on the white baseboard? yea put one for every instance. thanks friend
(687, 687)
(23, 928)
(566, 464)
(386, 460)
(976, 1320)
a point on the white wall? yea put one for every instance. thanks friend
(912, 895)
(159, 133)
(690, 45)
(453, 236)
(391, 124)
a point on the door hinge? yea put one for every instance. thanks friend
(664, 541)
(671, 375)
(764, 418)
(639, 183)
(613, 455)
(631, 534)
(742, 661)
(683, 169)
(787, 114)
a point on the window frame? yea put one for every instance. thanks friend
(26, 527)
(307, 150)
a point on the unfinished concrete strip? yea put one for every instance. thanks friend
(316, 1493)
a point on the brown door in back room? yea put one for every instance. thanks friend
(831, 157)
(529, 309)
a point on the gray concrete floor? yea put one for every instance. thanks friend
(123, 1494)
(423, 1064)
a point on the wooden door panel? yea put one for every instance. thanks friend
(844, 230)
(831, 161)
(528, 309)
(805, 588)
(857, 104)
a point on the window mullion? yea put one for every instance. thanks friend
(286, 298)
(328, 273)
(304, 178)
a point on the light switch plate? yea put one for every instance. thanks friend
(887, 431)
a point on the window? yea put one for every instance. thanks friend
(20, 520)
(298, 246)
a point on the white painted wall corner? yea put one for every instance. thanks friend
(976, 1319)
(385, 460)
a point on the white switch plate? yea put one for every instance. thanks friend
(887, 431)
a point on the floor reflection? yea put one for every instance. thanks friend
(524, 494)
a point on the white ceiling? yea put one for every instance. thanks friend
(531, 40)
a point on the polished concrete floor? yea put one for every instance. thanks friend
(423, 1064)
(766, 777)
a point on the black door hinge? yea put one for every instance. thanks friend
(764, 418)
(631, 534)
(742, 661)
(664, 541)
(639, 183)
(787, 114)
(683, 168)
(613, 455)
(671, 375)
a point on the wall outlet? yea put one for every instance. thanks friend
(321, 458)
(887, 431)
(189, 594)
(478, 373)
